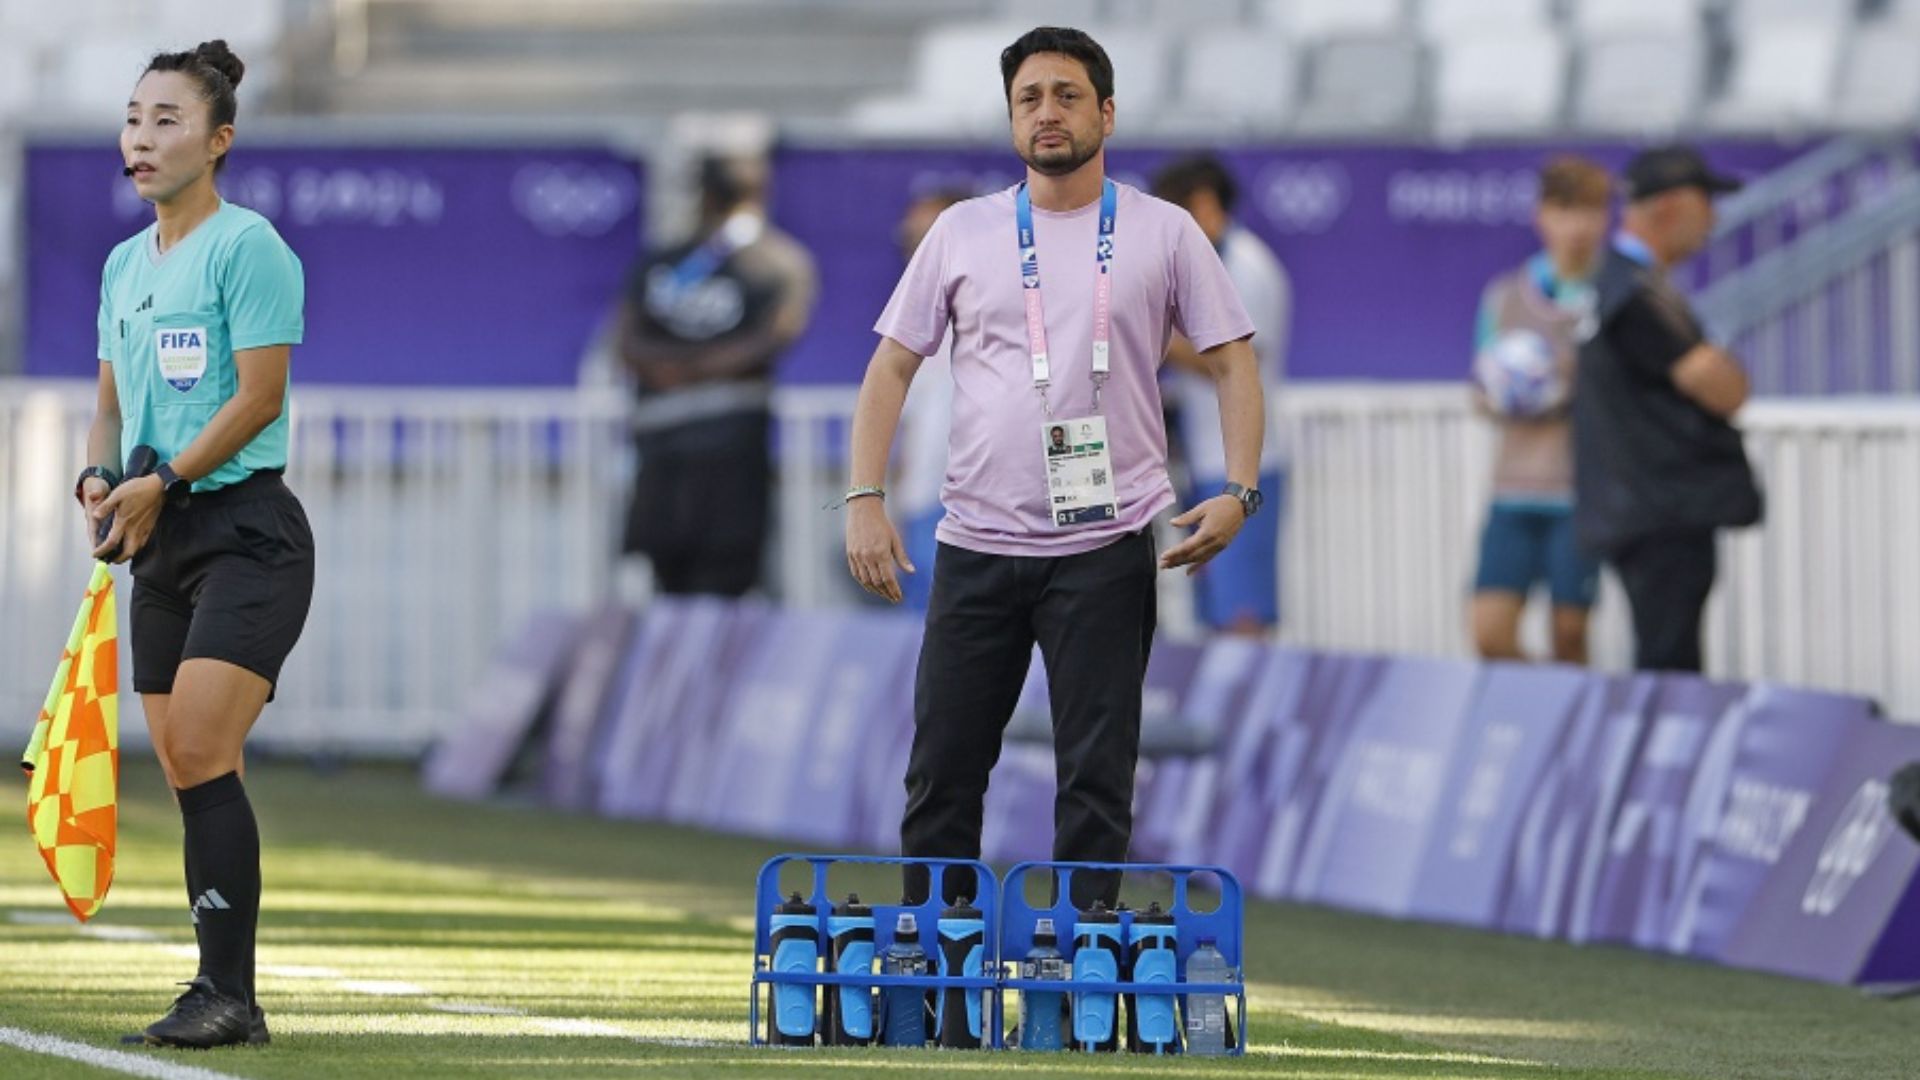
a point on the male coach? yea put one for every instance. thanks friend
(1054, 548)
(1657, 466)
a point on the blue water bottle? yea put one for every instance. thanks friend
(904, 1008)
(1040, 1009)
(1097, 954)
(1153, 959)
(963, 945)
(847, 1011)
(796, 948)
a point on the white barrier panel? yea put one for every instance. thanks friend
(443, 517)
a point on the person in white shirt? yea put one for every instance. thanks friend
(1239, 591)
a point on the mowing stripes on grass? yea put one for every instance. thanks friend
(131, 1064)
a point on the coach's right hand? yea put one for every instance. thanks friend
(874, 548)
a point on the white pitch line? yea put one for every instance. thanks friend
(119, 933)
(468, 1009)
(298, 971)
(39, 918)
(383, 987)
(558, 1025)
(115, 1060)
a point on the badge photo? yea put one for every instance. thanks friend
(181, 352)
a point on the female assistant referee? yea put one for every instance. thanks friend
(198, 314)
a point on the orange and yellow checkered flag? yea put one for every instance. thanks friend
(74, 756)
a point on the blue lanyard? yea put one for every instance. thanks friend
(1102, 292)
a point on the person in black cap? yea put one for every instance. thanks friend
(1658, 467)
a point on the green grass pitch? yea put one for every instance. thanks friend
(406, 937)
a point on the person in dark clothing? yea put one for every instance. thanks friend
(701, 327)
(1658, 467)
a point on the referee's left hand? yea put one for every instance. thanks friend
(1218, 520)
(135, 506)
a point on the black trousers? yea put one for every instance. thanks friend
(701, 504)
(1093, 617)
(1667, 579)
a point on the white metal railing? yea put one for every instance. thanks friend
(442, 518)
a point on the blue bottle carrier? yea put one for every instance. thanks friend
(1009, 922)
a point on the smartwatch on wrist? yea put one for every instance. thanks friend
(1250, 498)
(173, 486)
(88, 473)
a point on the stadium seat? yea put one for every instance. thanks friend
(1783, 77)
(1664, 16)
(1081, 13)
(1454, 19)
(1639, 83)
(1141, 83)
(247, 27)
(956, 85)
(1238, 79)
(1880, 80)
(1500, 81)
(1363, 84)
(1758, 12)
(92, 77)
(1314, 20)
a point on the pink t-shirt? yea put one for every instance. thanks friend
(966, 275)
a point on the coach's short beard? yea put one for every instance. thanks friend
(1074, 157)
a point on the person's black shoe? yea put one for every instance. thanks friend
(203, 1018)
(257, 1033)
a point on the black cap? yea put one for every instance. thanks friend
(1665, 168)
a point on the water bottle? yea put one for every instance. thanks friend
(796, 947)
(848, 1010)
(1097, 955)
(904, 1022)
(1209, 1028)
(1153, 958)
(963, 945)
(1040, 1009)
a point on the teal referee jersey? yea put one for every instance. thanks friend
(170, 324)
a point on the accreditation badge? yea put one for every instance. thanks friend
(1079, 471)
(182, 354)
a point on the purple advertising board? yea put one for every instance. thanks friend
(1843, 903)
(1173, 808)
(1634, 873)
(1305, 747)
(1740, 824)
(1570, 810)
(1518, 720)
(1387, 247)
(1379, 807)
(1751, 797)
(658, 756)
(438, 265)
(500, 714)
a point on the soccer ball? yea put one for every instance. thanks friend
(1520, 375)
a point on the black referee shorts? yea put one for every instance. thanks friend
(227, 577)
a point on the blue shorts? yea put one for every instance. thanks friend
(1242, 583)
(1524, 544)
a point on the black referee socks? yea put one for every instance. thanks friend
(223, 877)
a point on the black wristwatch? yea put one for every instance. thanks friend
(88, 473)
(175, 487)
(1250, 498)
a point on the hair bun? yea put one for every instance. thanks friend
(217, 55)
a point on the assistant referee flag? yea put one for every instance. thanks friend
(73, 759)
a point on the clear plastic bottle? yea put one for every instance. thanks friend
(1209, 1028)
